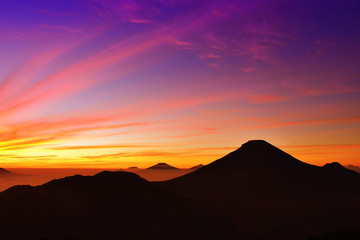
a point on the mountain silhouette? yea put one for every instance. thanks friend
(354, 168)
(272, 194)
(162, 172)
(337, 168)
(266, 165)
(196, 167)
(133, 168)
(255, 192)
(162, 166)
(3, 171)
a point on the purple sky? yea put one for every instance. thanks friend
(118, 83)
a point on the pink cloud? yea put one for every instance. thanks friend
(250, 40)
(320, 47)
(40, 132)
(21, 78)
(218, 13)
(125, 10)
(63, 28)
(62, 84)
(267, 98)
(337, 120)
(249, 69)
(213, 65)
(53, 13)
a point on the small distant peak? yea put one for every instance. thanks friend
(162, 166)
(4, 171)
(333, 165)
(353, 167)
(197, 166)
(132, 168)
(337, 168)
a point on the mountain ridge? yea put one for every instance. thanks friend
(255, 192)
(108, 205)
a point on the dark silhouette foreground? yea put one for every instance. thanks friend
(255, 192)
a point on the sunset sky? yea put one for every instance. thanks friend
(110, 84)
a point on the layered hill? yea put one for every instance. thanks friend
(109, 205)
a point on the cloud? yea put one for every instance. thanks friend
(53, 13)
(20, 78)
(267, 98)
(38, 156)
(327, 146)
(147, 154)
(99, 147)
(63, 28)
(60, 84)
(320, 47)
(239, 29)
(125, 10)
(38, 133)
(129, 72)
(336, 120)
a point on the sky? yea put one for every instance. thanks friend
(112, 84)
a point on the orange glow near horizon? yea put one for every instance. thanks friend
(181, 82)
(145, 156)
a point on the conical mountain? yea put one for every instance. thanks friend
(162, 166)
(257, 166)
(273, 194)
(259, 154)
(254, 159)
